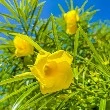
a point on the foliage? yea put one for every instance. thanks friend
(90, 48)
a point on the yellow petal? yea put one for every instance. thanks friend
(41, 60)
(77, 17)
(60, 56)
(37, 68)
(70, 17)
(61, 79)
(71, 29)
(65, 16)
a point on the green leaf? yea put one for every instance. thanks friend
(32, 13)
(5, 31)
(76, 43)
(69, 8)
(16, 92)
(71, 4)
(17, 78)
(9, 16)
(46, 102)
(22, 107)
(3, 40)
(31, 104)
(36, 19)
(102, 105)
(82, 7)
(55, 32)
(61, 8)
(6, 46)
(10, 8)
(96, 55)
(62, 104)
(40, 4)
(43, 29)
(22, 97)
(21, 16)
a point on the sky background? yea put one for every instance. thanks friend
(51, 6)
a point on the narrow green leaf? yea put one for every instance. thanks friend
(55, 32)
(46, 102)
(40, 4)
(16, 92)
(76, 43)
(10, 3)
(95, 66)
(62, 104)
(42, 31)
(89, 9)
(22, 107)
(5, 31)
(32, 13)
(39, 99)
(7, 25)
(6, 46)
(22, 97)
(71, 4)
(36, 19)
(17, 78)
(69, 8)
(97, 56)
(21, 16)
(82, 7)
(9, 16)
(3, 39)
(7, 5)
(22, 2)
(61, 8)
(27, 8)
(102, 105)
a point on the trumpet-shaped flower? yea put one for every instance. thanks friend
(53, 71)
(23, 48)
(71, 19)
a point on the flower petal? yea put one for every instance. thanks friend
(60, 56)
(61, 79)
(41, 60)
(71, 29)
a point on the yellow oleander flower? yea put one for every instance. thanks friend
(23, 48)
(53, 71)
(71, 19)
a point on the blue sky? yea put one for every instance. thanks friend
(51, 6)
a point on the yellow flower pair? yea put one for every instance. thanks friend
(71, 19)
(53, 71)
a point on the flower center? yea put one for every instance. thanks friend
(50, 68)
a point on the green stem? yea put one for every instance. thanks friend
(28, 39)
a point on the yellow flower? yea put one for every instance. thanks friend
(71, 19)
(53, 71)
(23, 48)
